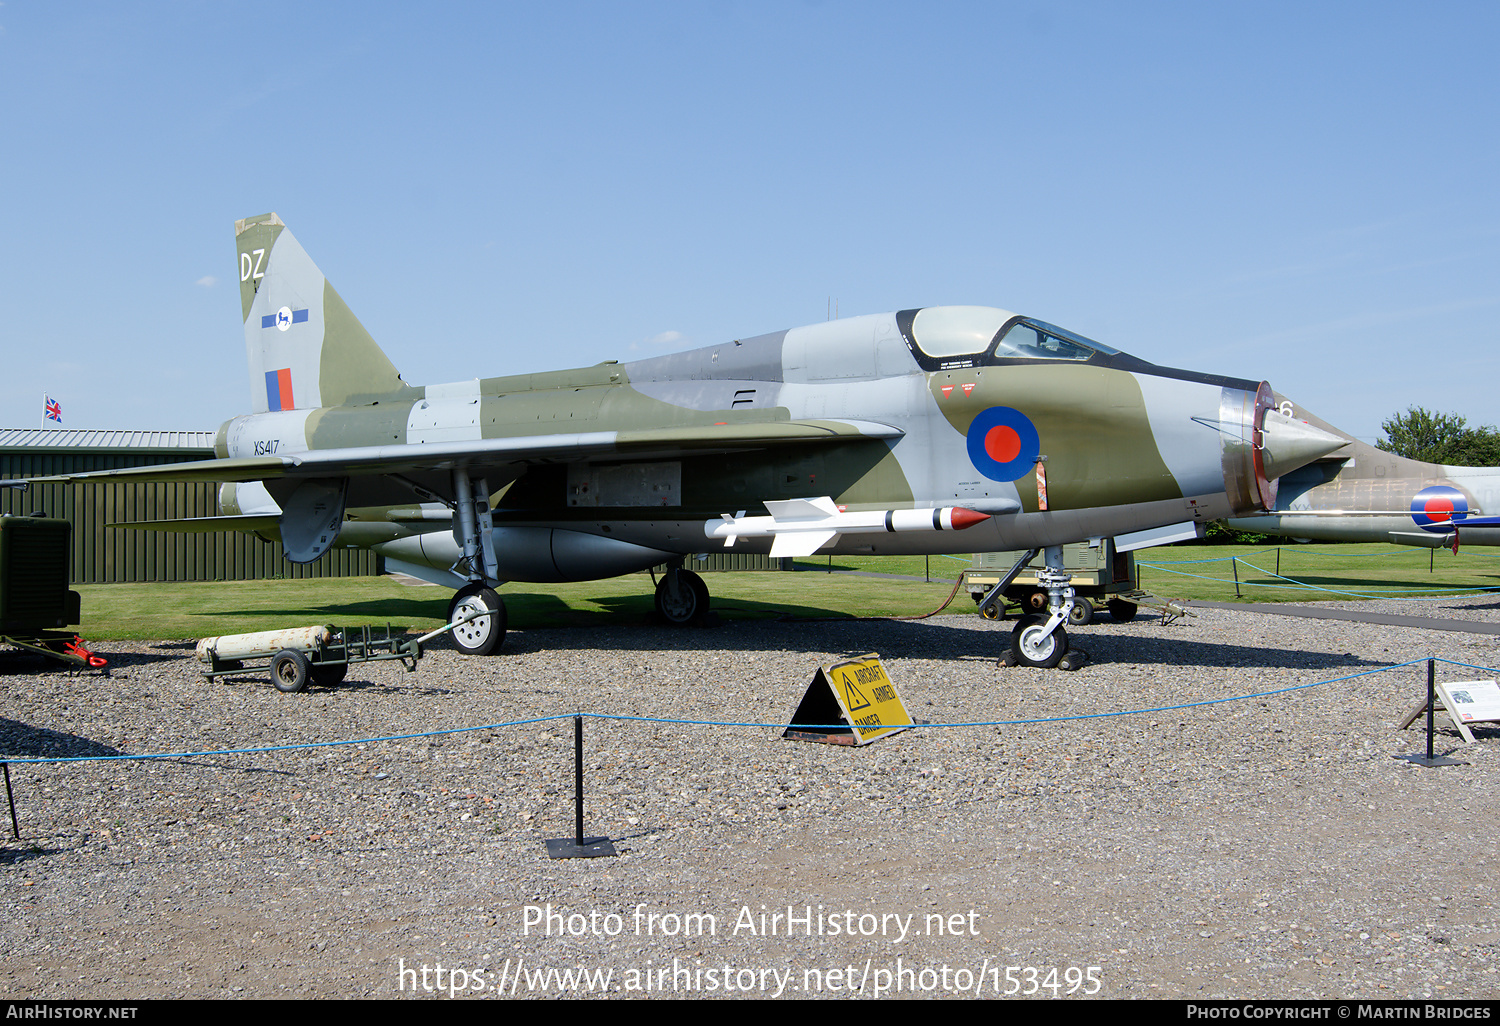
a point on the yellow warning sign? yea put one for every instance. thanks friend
(865, 704)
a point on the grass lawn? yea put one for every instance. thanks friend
(1311, 573)
(169, 611)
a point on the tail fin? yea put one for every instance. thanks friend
(306, 348)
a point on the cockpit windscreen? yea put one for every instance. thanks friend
(968, 336)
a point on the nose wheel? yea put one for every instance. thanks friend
(1031, 645)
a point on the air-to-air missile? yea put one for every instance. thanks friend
(800, 527)
(930, 430)
(1358, 493)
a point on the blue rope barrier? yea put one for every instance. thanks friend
(1410, 594)
(719, 723)
(1413, 592)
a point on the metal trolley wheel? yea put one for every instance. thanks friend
(289, 670)
(328, 675)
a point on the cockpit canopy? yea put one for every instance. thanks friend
(969, 336)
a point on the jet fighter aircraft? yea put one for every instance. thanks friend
(932, 430)
(1358, 493)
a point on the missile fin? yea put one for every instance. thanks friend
(801, 543)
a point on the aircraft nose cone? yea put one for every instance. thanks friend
(1288, 444)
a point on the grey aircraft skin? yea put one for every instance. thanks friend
(930, 430)
(1359, 493)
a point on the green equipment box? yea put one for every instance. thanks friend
(34, 595)
(1101, 577)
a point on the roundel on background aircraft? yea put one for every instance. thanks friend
(1003, 444)
(1438, 507)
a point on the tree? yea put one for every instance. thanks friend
(1419, 434)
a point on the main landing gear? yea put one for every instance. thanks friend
(681, 597)
(483, 634)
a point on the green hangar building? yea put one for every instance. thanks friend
(105, 555)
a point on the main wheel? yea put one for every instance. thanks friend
(681, 598)
(1032, 648)
(1082, 612)
(289, 670)
(1122, 611)
(482, 635)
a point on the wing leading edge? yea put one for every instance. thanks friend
(661, 443)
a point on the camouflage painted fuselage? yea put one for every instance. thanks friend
(931, 430)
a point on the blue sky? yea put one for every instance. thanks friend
(1305, 193)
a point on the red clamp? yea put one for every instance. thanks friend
(75, 648)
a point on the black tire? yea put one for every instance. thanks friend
(483, 635)
(1081, 613)
(684, 605)
(993, 611)
(1122, 611)
(1044, 654)
(289, 670)
(327, 675)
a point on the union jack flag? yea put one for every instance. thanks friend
(51, 409)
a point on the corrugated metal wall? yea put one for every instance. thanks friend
(737, 561)
(102, 555)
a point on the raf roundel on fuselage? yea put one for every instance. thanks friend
(1002, 441)
(1438, 507)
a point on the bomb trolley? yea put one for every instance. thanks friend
(318, 654)
(301, 654)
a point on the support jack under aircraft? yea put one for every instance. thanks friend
(948, 429)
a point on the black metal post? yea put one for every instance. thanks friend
(1234, 561)
(578, 779)
(1431, 700)
(1278, 561)
(578, 846)
(15, 830)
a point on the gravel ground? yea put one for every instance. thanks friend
(1265, 847)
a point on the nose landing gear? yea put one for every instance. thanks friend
(1039, 639)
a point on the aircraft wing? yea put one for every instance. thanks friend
(657, 443)
(204, 525)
